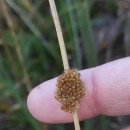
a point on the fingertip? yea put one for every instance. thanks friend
(43, 106)
(37, 101)
(33, 103)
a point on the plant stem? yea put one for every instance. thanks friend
(75, 35)
(90, 46)
(85, 29)
(31, 26)
(59, 34)
(17, 47)
(76, 121)
(62, 49)
(9, 56)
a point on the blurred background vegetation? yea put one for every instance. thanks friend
(95, 32)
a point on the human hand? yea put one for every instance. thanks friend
(107, 93)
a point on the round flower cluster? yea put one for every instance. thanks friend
(69, 90)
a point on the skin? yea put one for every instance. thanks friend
(128, 128)
(107, 93)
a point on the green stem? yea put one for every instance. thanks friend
(75, 36)
(86, 33)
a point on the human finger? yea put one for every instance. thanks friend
(107, 92)
(127, 128)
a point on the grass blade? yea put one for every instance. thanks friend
(86, 33)
(75, 35)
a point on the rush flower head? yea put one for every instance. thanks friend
(69, 91)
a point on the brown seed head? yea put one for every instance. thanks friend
(69, 90)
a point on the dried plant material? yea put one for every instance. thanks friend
(70, 89)
(68, 92)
